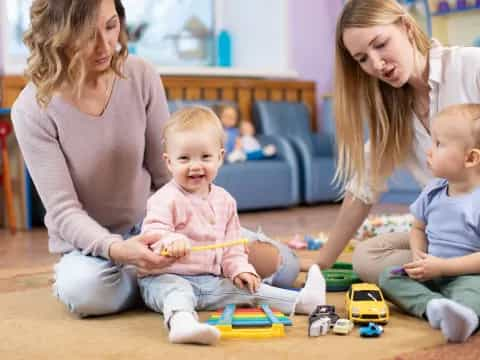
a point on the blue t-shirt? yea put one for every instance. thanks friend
(452, 223)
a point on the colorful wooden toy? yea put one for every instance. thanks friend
(260, 322)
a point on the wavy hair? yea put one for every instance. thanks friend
(58, 27)
(361, 100)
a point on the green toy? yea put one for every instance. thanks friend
(340, 276)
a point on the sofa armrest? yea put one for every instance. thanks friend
(303, 150)
(285, 152)
(323, 144)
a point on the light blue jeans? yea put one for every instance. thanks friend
(91, 286)
(169, 293)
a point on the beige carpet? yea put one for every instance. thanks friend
(34, 325)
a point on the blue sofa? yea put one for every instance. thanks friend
(315, 151)
(262, 184)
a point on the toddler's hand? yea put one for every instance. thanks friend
(251, 281)
(427, 267)
(179, 246)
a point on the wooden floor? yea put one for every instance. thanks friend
(27, 252)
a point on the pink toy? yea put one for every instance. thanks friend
(297, 243)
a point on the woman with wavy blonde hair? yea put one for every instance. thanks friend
(89, 126)
(59, 33)
(390, 79)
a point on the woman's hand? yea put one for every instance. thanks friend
(136, 251)
(322, 259)
(249, 280)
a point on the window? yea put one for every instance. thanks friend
(172, 32)
(166, 32)
(18, 19)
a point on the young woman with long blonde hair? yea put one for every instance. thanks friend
(392, 79)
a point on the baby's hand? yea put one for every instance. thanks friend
(427, 268)
(252, 281)
(179, 246)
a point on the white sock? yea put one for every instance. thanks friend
(185, 329)
(457, 321)
(433, 313)
(313, 293)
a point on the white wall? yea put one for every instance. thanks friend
(259, 30)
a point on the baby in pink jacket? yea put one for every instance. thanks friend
(191, 211)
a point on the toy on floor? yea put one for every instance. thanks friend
(317, 320)
(371, 330)
(260, 322)
(399, 271)
(313, 243)
(343, 327)
(377, 225)
(318, 326)
(297, 243)
(164, 252)
(365, 303)
(340, 276)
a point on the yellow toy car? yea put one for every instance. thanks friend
(364, 303)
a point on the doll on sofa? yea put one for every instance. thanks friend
(229, 115)
(241, 144)
(247, 147)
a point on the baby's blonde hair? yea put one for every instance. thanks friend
(198, 118)
(470, 112)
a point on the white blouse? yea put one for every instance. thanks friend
(454, 78)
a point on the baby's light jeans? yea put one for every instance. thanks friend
(91, 286)
(169, 293)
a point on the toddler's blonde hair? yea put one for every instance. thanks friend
(196, 118)
(470, 112)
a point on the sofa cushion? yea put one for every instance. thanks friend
(257, 184)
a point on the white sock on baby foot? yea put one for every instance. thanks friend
(185, 329)
(433, 312)
(313, 293)
(457, 321)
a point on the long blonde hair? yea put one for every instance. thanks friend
(57, 26)
(361, 100)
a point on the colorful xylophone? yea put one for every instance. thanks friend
(260, 322)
